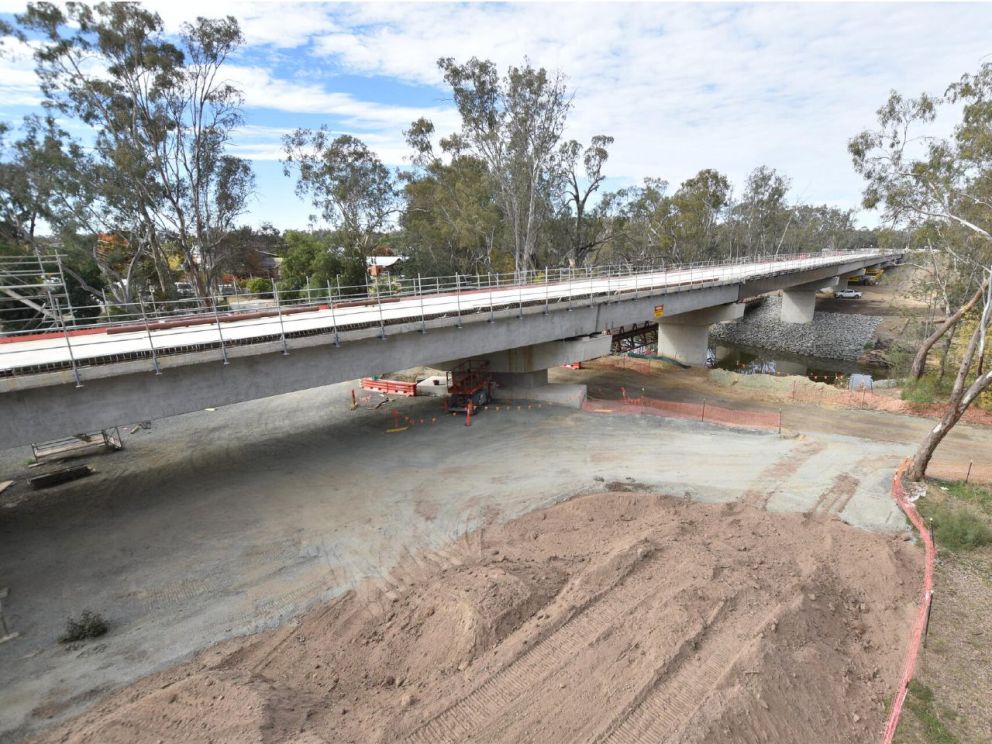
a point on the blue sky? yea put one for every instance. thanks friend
(681, 87)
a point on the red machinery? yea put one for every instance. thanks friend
(469, 382)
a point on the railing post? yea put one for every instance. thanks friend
(420, 291)
(148, 332)
(489, 281)
(458, 297)
(282, 328)
(569, 289)
(65, 334)
(220, 333)
(334, 320)
(546, 290)
(378, 298)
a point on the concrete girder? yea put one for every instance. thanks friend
(542, 356)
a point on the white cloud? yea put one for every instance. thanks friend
(683, 87)
(18, 83)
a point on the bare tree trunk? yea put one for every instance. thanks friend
(947, 351)
(920, 361)
(961, 398)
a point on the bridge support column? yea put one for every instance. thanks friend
(685, 337)
(799, 303)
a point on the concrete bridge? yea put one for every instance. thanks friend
(75, 381)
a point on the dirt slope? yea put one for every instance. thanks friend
(620, 617)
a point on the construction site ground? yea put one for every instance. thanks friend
(223, 523)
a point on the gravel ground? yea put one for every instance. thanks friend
(223, 522)
(830, 335)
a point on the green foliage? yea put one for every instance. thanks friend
(972, 493)
(452, 222)
(88, 625)
(920, 702)
(258, 285)
(920, 391)
(346, 181)
(957, 528)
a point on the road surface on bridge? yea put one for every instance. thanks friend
(54, 348)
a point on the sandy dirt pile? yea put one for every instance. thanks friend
(622, 616)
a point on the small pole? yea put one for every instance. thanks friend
(968, 475)
(334, 320)
(220, 333)
(569, 289)
(65, 335)
(702, 416)
(420, 291)
(308, 290)
(589, 279)
(520, 297)
(546, 290)
(378, 297)
(458, 297)
(282, 328)
(926, 626)
(148, 332)
(489, 281)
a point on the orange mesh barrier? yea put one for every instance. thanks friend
(687, 411)
(923, 613)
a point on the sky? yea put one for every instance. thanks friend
(681, 87)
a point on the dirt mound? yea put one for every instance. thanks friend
(622, 617)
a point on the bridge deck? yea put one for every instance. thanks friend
(59, 350)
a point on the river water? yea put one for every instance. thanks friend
(751, 360)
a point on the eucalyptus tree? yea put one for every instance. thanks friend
(761, 219)
(918, 178)
(161, 117)
(513, 123)
(451, 217)
(580, 183)
(346, 182)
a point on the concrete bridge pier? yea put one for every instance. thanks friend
(799, 303)
(522, 373)
(685, 337)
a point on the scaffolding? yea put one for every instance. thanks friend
(33, 294)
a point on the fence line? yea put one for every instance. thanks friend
(702, 412)
(926, 598)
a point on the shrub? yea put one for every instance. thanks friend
(89, 625)
(956, 528)
(919, 391)
(258, 285)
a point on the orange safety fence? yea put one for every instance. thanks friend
(394, 387)
(923, 613)
(688, 411)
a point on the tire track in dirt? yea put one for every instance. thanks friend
(484, 705)
(664, 707)
(773, 476)
(836, 496)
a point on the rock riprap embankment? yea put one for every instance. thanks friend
(830, 335)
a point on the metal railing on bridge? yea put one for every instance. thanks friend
(156, 328)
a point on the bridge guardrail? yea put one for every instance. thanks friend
(155, 329)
